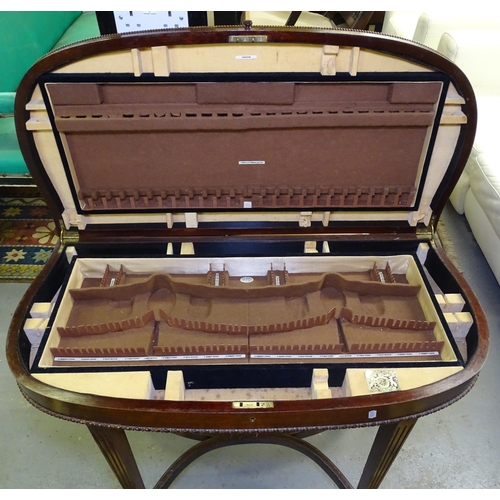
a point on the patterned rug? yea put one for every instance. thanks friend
(27, 238)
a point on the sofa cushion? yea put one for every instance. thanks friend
(485, 184)
(27, 36)
(433, 23)
(476, 53)
(457, 197)
(85, 26)
(400, 24)
(427, 27)
(11, 159)
(488, 108)
(484, 232)
(7, 103)
(486, 140)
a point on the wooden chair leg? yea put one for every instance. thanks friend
(115, 447)
(388, 441)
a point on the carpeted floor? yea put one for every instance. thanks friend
(444, 238)
(27, 237)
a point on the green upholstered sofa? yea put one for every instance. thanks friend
(24, 38)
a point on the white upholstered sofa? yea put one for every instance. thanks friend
(473, 43)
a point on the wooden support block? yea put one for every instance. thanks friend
(73, 219)
(70, 254)
(36, 105)
(454, 100)
(450, 319)
(454, 119)
(441, 301)
(326, 247)
(305, 219)
(32, 330)
(136, 62)
(454, 302)
(422, 251)
(161, 63)
(320, 375)
(310, 247)
(175, 388)
(328, 60)
(191, 219)
(187, 248)
(319, 384)
(41, 310)
(459, 323)
(465, 317)
(130, 385)
(354, 61)
(325, 218)
(34, 124)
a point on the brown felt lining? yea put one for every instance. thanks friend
(219, 145)
(298, 314)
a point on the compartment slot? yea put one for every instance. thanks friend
(212, 197)
(257, 318)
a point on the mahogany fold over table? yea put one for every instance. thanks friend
(247, 249)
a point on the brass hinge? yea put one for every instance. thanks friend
(426, 232)
(69, 237)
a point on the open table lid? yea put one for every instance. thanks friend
(194, 126)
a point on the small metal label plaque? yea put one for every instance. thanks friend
(253, 404)
(248, 38)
